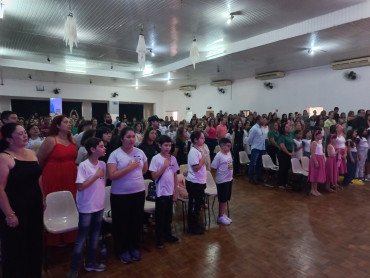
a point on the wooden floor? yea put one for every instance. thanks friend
(274, 234)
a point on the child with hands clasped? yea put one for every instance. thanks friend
(331, 166)
(90, 200)
(317, 164)
(223, 162)
(164, 169)
(196, 180)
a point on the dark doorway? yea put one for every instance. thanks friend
(131, 110)
(25, 108)
(98, 110)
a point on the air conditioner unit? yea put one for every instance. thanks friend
(270, 75)
(221, 83)
(353, 63)
(188, 88)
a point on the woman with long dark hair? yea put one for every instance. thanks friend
(181, 151)
(149, 147)
(21, 205)
(57, 157)
(211, 139)
(285, 153)
(126, 166)
(237, 144)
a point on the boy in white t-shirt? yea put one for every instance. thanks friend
(90, 200)
(164, 169)
(223, 162)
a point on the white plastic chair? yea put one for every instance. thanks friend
(184, 201)
(305, 163)
(268, 163)
(297, 168)
(61, 214)
(217, 149)
(149, 207)
(107, 215)
(243, 158)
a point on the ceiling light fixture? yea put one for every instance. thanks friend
(148, 70)
(218, 52)
(216, 41)
(141, 49)
(194, 52)
(169, 78)
(79, 71)
(70, 30)
(2, 8)
(231, 17)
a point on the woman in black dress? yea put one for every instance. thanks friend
(149, 147)
(21, 204)
(181, 151)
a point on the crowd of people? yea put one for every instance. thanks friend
(41, 155)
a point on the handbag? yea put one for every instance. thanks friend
(152, 190)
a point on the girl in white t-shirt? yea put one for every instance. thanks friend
(223, 162)
(196, 181)
(90, 199)
(164, 169)
(34, 139)
(362, 148)
(306, 142)
(126, 166)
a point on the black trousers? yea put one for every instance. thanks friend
(196, 199)
(284, 165)
(127, 220)
(272, 152)
(236, 163)
(163, 217)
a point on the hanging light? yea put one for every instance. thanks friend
(2, 8)
(141, 50)
(194, 53)
(70, 32)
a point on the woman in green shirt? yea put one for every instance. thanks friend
(273, 135)
(284, 155)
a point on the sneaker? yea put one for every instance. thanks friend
(222, 220)
(125, 257)
(171, 239)
(135, 255)
(159, 244)
(95, 267)
(73, 274)
(197, 231)
(227, 218)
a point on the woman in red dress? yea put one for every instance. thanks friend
(57, 157)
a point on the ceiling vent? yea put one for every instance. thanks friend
(188, 88)
(353, 63)
(270, 75)
(221, 83)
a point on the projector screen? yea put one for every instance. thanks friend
(56, 106)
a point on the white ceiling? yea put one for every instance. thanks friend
(265, 36)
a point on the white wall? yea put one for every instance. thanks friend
(86, 93)
(295, 92)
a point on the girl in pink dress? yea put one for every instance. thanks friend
(331, 168)
(317, 164)
(340, 147)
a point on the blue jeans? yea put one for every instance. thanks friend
(88, 225)
(256, 163)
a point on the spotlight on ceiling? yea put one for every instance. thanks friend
(111, 67)
(350, 75)
(115, 94)
(29, 76)
(150, 50)
(231, 17)
(268, 85)
(48, 59)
